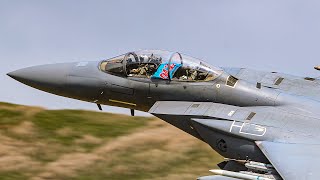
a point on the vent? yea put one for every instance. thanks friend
(258, 85)
(251, 116)
(278, 81)
(309, 78)
(231, 81)
(195, 105)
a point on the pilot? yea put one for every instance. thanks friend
(190, 75)
(144, 58)
(144, 70)
(183, 77)
(141, 70)
(138, 71)
(151, 69)
(193, 75)
(202, 75)
(182, 74)
(154, 59)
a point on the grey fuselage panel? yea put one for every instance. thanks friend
(302, 86)
(229, 109)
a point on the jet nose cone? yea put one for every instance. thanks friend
(45, 77)
(18, 75)
(12, 74)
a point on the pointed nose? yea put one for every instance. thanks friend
(48, 78)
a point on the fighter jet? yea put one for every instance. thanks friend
(265, 124)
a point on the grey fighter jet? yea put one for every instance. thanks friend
(266, 124)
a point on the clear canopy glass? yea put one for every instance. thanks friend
(160, 65)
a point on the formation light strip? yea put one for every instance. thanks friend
(122, 102)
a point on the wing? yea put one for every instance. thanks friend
(293, 161)
(184, 115)
(256, 123)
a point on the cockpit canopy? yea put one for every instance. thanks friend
(159, 64)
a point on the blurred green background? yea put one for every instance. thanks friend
(71, 144)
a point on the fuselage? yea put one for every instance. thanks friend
(121, 82)
(88, 83)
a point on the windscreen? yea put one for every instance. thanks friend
(113, 66)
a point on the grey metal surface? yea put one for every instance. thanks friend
(293, 161)
(230, 109)
(290, 84)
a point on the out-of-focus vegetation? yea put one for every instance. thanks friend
(36, 143)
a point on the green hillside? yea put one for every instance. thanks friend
(36, 143)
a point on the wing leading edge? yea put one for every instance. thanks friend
(293, 161)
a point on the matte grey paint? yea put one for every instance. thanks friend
(287, 110)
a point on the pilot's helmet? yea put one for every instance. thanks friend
(144, 58)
